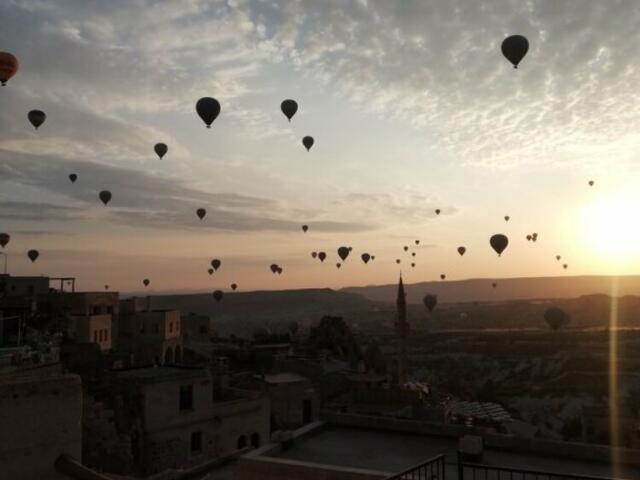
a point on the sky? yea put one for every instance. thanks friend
(412, 107)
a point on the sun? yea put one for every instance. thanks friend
(611, 228)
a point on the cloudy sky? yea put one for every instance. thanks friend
(412, 107)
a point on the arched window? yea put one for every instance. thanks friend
(168, 355)
(255, 439)
(242, 442)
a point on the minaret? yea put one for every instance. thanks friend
(402, 328)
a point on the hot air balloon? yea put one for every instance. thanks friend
(234, 286)
(556, 317)
(106, 287)
(161, 149)
(215, 263)
(217, 295)
(73, 177)
(499, 242)
(343, 253)
(461, 250)
(514, 48)
(558, 257)
(417, 242)
(4, 239)
(398, 261)
(591, 182)
(274, 268)
(373, 257)
(413, 254)
(289, 108)
(430, 301)
(210, 271)
(322, 256)
(314, 254)
(105, 196)
(442, 276)
(201, 212)
(506, 218)
(146, 282)
(36, 117)
(208, 109)
(33, 255)
(338, 265)
(307, 142)
(565, 266)
(413, 265)
(529, 238)
(437, 211)
(365, 257)
(405, 248)
(305, 228)
(8, 67)
(494, 284)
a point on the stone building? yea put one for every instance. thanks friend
(196, 327)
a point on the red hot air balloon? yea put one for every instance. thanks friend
(461, 250)
(215, 263)
(33, 255)
(146, 282)
(289, 108)
(307, 142)
(430, 301)
(201, 212)
(499, 242)
(208, 109)
(105, 196)
(8, 67)
(514, 48)
(4, 239)
(217, 295)
(161, 149)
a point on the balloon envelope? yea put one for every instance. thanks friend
(430, 301)
(289, 108)
(8, 66)
(36, 117)
(514, 48)
(365, 257)
(105, 196)
(217, 295)
(305, 228)
(208, 109)
(307, 142)
(73, 177)
(210, 271)
(234, 286)
(146, 282)
(33, 255)
(343, 253)
(201, 212)
(274, 268)
(314, 254)
(161, 149)
(556, 317)
(437, 211)
(215, 263)
(4, 239)
(461, 250)
(443, 276)
(322, 256)
(499, 242)
(506, 218)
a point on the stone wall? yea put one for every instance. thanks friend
(39, 421)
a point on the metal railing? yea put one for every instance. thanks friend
(432, 469)
(477, 471)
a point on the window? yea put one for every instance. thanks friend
(186, 397)
(196, 442)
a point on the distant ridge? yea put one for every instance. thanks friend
(481, 290)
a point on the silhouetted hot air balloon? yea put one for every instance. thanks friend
(201, 212)
(494, 284)
(314, 254)
(591, 182)
(4, 239)
(499, 242)
(208, 109)
(105, 196)
(33, 255)
(322, 256)
(413, 254)
(461, 250)
(430, 301)
(289, 108)
(417, 242)
(338, 265)
(556, 317)
(161, 149)
(73, 177)
(529, 238)
(106, 287)
(215, 263)
(398, 261)
(506, 218)
(234, 286)
(373, 257)
(365, 257)
(405, 248)
(146, 282)
(305, 228)
(217, 295)
(565, 266)
(514, 48)
(442, 276)
(210, 271)
(413, 265)
(274, 268)
(36, 117)
(307, 142)
(437, 211)
(558, 257)
(8, 67)
(343, 253)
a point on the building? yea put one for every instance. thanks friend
(196, 327)
(402, 329)
(179, 417)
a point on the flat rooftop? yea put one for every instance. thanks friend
(395, 452)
